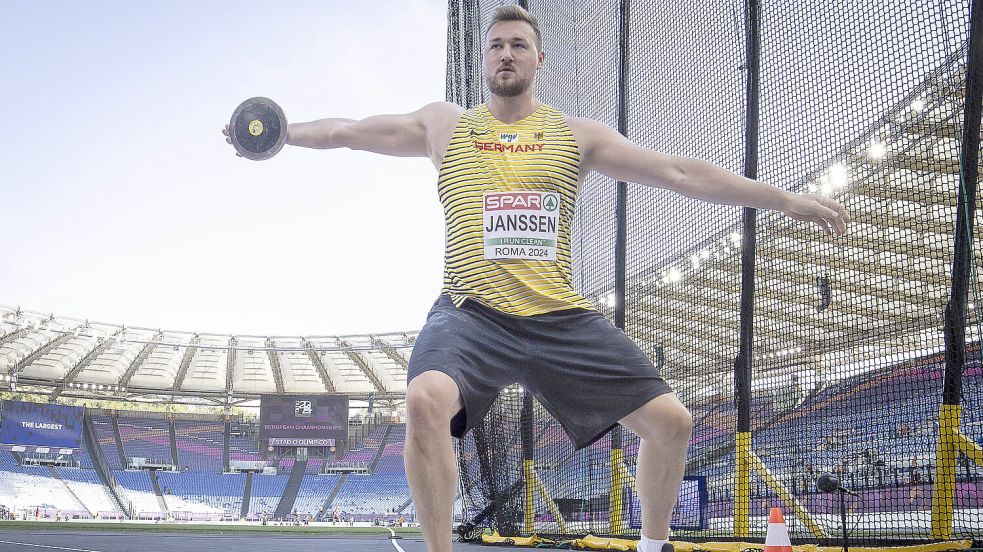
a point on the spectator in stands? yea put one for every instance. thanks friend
(914, 474)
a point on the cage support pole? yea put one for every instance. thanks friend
(615, 503)
(743, 363)
(949, 442)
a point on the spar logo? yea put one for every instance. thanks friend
(550, 203)
(521, 201)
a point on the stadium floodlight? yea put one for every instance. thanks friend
(839, 176)
(674, 275)
(877, 150)
(918, 105)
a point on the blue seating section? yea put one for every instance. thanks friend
(199, 444)
(266, 493)
(146, 438)
(889, 415)
(200, 492)
(243, 446)
(107, 441)
(314, 490)
(386, 489)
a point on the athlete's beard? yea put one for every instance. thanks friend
(510, 88)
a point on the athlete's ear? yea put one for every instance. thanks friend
(542, 56)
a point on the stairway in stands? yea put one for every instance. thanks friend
(326, 510)
(382, 448)
(119, 443)
(247, 493)
(91, 441)
(286, 504)
(57, 475)
(157, 491)
(173, 439)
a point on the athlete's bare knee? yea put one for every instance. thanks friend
(432, 399)
(663, 420)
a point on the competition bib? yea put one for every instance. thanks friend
(521, 225)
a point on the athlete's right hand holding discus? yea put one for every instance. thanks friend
(422, 133)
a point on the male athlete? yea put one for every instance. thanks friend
(509, 173)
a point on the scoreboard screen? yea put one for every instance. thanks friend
(303, 420)
(47, 425)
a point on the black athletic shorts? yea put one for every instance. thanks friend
(584, 371)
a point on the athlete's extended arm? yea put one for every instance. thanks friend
(415, 134)
(403, 135)
(606, 151)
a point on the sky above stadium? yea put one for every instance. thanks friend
(122, 203)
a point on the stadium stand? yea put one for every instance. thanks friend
(88, 488)
(200, 444)
(313, 492)
(385, 489)
(33, 490)
(266, 493)
(242, 443)
(200, 491)
(107, 441)
(204, 495)
(146, 438)
(370, 446)
(139, 490)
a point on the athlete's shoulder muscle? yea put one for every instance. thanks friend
(440, 119)
(586, 133)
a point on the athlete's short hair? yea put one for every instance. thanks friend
(516, 13)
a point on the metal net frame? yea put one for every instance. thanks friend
(798, 354)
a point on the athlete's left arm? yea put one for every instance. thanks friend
(608, 152)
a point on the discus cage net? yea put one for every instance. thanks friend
(861, 353)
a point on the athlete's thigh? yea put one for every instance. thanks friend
(589, 374)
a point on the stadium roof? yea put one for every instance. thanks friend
(886, 282)
(77, 358)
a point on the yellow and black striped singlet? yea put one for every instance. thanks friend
(485, 155)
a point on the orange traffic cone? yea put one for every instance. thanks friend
(777, 539)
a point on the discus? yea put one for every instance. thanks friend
(258, 129)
